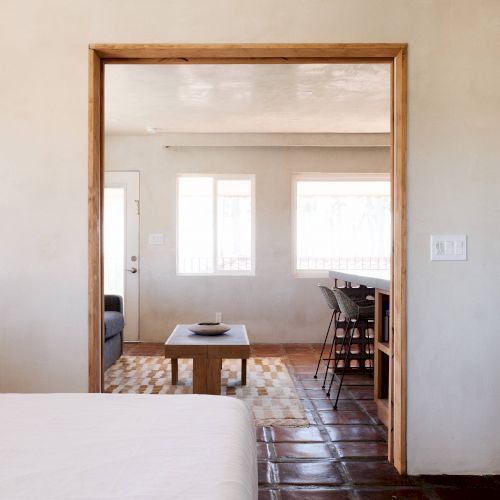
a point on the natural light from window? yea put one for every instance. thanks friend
(342, 222)
(215, 224)
(114, 240)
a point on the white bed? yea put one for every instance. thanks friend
(126, 446)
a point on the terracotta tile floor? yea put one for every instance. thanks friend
(343, 454)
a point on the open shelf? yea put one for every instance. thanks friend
(383, 357)
(384, 347)
(383, 411)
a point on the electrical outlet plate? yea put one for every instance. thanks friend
(448, 247)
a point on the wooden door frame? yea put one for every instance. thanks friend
(395, 54)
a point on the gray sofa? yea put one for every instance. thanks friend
(113, 329)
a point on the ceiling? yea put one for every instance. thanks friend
(247, 98)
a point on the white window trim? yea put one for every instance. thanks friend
(217, 177)
(322, 176)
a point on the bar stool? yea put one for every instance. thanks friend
(357, 294)
(359, 313)
(332, 303)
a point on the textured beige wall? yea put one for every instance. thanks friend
(275, 306)
(453, 186)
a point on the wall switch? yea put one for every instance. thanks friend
(218, 317)
(448, 247)
(155, 239)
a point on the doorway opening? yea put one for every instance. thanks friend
(392, 54)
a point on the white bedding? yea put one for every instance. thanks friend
(126, 446)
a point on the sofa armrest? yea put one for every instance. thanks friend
(113, 303)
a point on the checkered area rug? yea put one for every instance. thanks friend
(269, 393)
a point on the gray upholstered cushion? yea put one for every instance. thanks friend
(113, 303)
(113, 323)
(112, 350)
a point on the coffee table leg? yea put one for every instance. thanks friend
(200, 375)
(243, 372)
(175, 370)
(213, 376)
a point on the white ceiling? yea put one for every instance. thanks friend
(286, 98)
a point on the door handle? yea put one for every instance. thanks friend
(133, 270)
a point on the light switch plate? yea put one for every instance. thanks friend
(448, 247)
(156, 239)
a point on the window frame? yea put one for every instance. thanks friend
(317, 177)
(217, 177)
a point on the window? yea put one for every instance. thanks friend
(215, 224)
(342, 221)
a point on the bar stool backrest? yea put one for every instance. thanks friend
(347, 306)
(330, 298)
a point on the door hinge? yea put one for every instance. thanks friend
(138, 203)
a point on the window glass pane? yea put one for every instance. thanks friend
(343, 225)
(195, 225)
(234, 225)
(114, 240)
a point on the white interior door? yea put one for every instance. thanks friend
(121, 245)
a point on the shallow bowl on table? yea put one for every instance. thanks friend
(209, 328)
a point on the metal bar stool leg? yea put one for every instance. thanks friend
(370, 357)
(367, 349)
(337, 358)
(336, 325)
(345, 365)
(362, 348)
(324, 343)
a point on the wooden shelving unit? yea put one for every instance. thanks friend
(384, 361)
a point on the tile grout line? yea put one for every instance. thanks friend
(304, 358)
(346, 479)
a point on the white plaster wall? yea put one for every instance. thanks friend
(453, 186)
(275, 306)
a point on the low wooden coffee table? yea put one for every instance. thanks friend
(207, 353)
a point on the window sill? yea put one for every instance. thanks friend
(249, 274)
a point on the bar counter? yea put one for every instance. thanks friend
(371, 279)
(383, 340)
